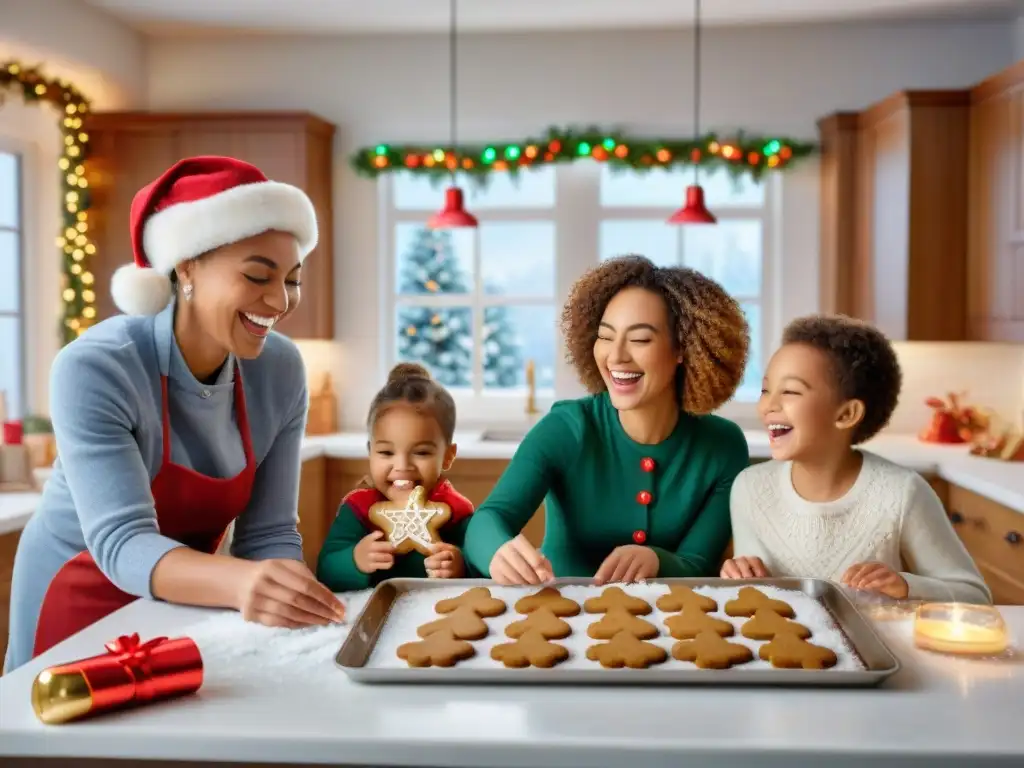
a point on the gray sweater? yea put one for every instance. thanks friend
(106, 411)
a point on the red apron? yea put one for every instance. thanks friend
(190, 508)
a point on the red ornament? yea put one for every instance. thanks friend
(600, 154)
(644, 497)
(639, 537)
(647, 464)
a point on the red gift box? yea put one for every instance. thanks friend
(130, 673)
(12, 433)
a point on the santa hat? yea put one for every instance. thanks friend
(199, 204)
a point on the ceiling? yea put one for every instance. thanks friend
(170, 17)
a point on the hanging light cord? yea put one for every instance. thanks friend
(696, 81)
(452, 88)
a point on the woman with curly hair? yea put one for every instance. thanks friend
(636, 476)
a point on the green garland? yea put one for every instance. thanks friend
(78, 289)
(739, 155)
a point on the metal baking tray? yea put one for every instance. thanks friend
(878, 660)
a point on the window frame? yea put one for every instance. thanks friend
(577, 214)
(18, 151)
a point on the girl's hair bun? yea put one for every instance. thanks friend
(406, 371)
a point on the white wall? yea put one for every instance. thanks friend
(106, 61)
(393, 88)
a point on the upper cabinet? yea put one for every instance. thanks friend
(995, 274)
(894, 182)
(130, 149)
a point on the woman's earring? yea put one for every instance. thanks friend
(186, 291)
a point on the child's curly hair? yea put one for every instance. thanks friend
(707, 324)
(864, 365)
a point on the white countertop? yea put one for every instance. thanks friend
(288, 703)
(1000, 481)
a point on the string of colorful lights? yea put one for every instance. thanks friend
(740, 155)
(78, 290)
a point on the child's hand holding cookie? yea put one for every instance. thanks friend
(877, 577)
(374, 553)
(745, 568)
(445, 563)
(628, 564)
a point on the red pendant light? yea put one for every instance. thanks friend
(454, 213)
(695, 211)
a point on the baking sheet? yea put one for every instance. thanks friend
(398, 606)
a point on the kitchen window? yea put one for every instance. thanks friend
(12, 324)
(477, 305)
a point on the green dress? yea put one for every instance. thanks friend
(602, 490)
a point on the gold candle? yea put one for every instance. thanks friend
(961, 629)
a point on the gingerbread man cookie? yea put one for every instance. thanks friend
(767, 624)
(550, 599)
(708, 650)
(415, 525)
(790, 652)
(614, 597)
(542, 621)
(464, 623)
(532, 649)
(692, 621)
(626, 650)
(749, 600)
(477, 598)
(441, 649)
(680, 597)
(617, 620)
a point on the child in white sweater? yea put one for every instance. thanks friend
(825, 509)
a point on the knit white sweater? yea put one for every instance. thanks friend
(890, 515)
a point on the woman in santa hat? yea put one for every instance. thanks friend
(179, 418)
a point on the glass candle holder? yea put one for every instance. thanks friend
(960, 628)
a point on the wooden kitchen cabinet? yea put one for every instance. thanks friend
(130, 149)
(995, 277)
(894, 214)
(8, 546)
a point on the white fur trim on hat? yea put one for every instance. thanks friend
(186, 230)
(140, 290)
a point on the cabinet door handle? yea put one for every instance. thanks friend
(956, 518)
(1013, 537)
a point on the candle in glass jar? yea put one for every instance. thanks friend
(971, 630)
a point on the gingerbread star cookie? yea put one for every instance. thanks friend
(680, 597)
(532, 649)
(441, 649)
(542, 621)
(477, 598)
(708, 650)
(767, 624)
(617, 620)
(551, 599)
(464, 623)
(414, 526)
(750, 599)
(692, 621)
(626, 650)
(790, 652)
(615, 597)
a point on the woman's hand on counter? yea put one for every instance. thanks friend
(745, 568)
(285, 593)
(517, 561)
(373, 553)
(627, 564)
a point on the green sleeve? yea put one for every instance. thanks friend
(703, 545)
(336, 565)
(456, 536)
(547, 449)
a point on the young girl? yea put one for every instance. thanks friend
(823, 508)
(411, 427)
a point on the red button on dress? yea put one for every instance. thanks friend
(647, 464)
(644, 497)
(639, 537)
